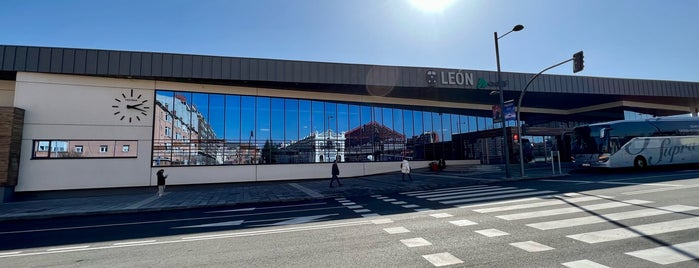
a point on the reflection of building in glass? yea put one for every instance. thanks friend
(374, 142)
(316, 148)
(236, 153)
(181, 134)
(416, 148)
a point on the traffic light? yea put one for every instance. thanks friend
(578, 63)
(515, 137)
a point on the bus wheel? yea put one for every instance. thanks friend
(640, 162)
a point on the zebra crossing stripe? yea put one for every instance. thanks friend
(613, 216)
(503, 202)
(443, 190)
(531, 246)
(497, 191)
(442, 259)
(569, 210)
(584, 264)
(636, 231)
(466, 191)
(538, 204)
(669, 255)
(495, 197)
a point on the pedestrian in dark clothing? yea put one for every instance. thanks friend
(442, 164)
(161, 182)
(335, 173)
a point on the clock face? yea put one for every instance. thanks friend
(130, 106)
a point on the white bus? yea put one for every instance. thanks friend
(636, 143)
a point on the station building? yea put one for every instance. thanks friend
(83, 118)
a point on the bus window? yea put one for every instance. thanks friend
(586, 140)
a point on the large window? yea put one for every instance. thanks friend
(216, 129)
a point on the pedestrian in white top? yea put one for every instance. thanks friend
(405, 169)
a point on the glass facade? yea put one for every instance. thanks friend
(215, 129)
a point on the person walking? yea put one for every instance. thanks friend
(405, 169)
(335, 173)
(161, 182)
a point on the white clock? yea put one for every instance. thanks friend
(131, 106)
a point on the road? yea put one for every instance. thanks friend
(611, 219)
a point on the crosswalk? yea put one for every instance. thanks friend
(566, 212)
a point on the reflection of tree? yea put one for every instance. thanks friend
(269, 150)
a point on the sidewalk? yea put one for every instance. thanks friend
(143, 199)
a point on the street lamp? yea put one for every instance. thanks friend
(506, 148)
(519, 107)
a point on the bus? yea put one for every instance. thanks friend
(636, 143)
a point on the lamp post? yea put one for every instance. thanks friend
(506, 148)
(519, 108)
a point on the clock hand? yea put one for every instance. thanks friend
(133, 106)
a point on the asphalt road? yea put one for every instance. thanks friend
(611, 219)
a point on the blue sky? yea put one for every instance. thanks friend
(644, 39)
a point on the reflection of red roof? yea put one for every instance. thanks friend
(373, 130)
(181, 97)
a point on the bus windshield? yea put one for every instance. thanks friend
(587, 140)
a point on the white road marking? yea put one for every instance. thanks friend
(275, 231)
(481, 193)
(463, 223)
(569, 210)
(411, 206)
(502, 202)
(616, 183)
(10, 253)
(415, 242)
(67, 248)
(370, 215)
(636, 231)
(390, 200)
(272, 207)
(198, 238)
(495, 197)
(442, 215)
(307, 191)
(362, 210)
(442, 259)
(683, 187)
(134, 242)
(381, 197)
(231, 210)
(464, 191)
(355, 207)
(399, 203)
(349, 203)
(422, 209)
(382, 221)
(396, 230)
(491, 232)
(531, 246)
(610, 217)
(538, 204)
(584, 264)
(299, 220)
(162, 221)
(669, 255)
(216, 224)
(443, 189)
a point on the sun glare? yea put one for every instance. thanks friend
(431, 6)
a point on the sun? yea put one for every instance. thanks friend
(430, 6)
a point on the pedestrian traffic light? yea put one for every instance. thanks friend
(515, 137)
(578, 63)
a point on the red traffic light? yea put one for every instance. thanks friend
(515, 137)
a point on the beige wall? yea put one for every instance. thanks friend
(7, 93)
(80, 108)
(68, 107)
